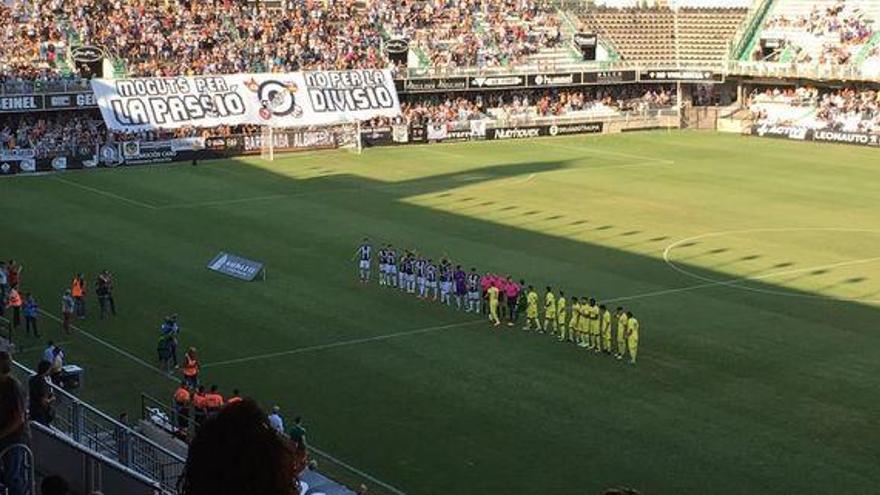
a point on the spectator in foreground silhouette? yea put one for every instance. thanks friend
(236, 452)
(54, 485)
(13, 429)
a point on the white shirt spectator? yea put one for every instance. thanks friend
(276, 421)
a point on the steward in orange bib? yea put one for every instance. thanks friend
(200, 404)
(213, 400)
(14, 301)
(191, 367)
(182, 399)
(235, 397)
(78, 291)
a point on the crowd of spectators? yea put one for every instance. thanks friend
(846, 109)
(457, 107)
(841, 28)
(173, 37)
(485, 33)
(51, 134)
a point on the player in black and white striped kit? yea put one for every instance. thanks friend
(364, 255)
(391, 265)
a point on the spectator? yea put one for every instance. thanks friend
(78, 291)
(13, 273)
(182, 401)
(68, 306)
(4, 284)
(213, 400)
(276, 421)
(171, 329)
(165, 352)
(200, 405)
(13, 429)
(40, 395)
(31, 312)
(236, 452)
(235, 397)
(55, 373)
(49, 351)
(14, 302)
(104, 291)
(54, 485)
(298, 432)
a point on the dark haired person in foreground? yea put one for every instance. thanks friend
(236, 452)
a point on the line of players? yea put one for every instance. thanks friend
(583, 322)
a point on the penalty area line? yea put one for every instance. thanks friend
(343, 343)
(107, 194)
(739, 280)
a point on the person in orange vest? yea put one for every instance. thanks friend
(182, 399)
(213, 400)
(200, 405)
(78, 291)
(14, 302)
(235, 398)
(191, 367)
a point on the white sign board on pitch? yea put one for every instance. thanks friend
(290, 99)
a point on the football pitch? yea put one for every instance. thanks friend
(752, 264)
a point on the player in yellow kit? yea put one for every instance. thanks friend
(492, 293)
(584, 323)
(561, 313)
(595, 333)
(549, 311)
(632, 339)
(620, 315)
(532, 309)
(573, 330)
(605, 328)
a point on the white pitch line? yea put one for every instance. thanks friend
(112, 347)
(588, 150)
(739, 280)
(343, 343)
(147, 365)
(106, 193)
(357, 471)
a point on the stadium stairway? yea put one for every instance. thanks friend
(745, 45)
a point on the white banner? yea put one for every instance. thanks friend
(437, 132)
(281, 100)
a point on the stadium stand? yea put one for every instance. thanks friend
(658, 35)
(847, 110)
(823, 32)
(527, 106)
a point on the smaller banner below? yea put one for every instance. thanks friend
(237, 267)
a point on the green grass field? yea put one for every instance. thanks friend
(753, 265)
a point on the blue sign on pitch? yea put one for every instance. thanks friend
(236, 266)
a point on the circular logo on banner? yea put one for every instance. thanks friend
(27, 165)
(554, 130)
(59, 163)
(110, 155)
(5, 168)
(277, 98)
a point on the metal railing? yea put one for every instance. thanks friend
(801, 71)
(39, 87)
(716, 66)
(111, 439)
(30, 480)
